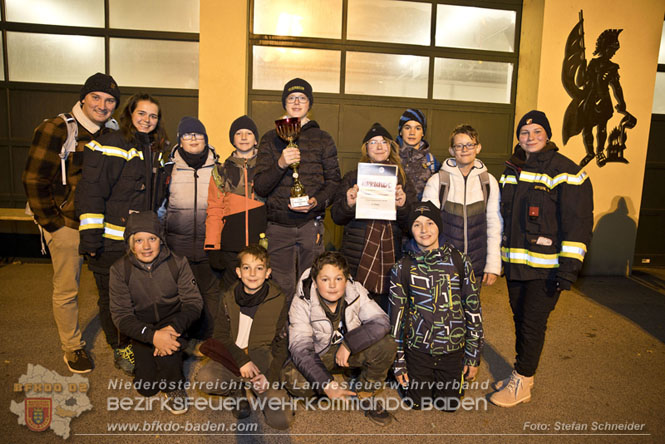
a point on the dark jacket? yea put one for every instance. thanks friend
(267, 329)
(437, 311)
(117, 179)
(355, 236)
(319, 173)
(186, 204)
(419, 165)
(547, 209)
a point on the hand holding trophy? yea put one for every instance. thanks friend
(289, 129)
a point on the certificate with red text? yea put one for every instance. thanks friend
(376, 191)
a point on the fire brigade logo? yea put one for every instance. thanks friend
(38, 413)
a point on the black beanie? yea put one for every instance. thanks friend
(377, 130)
(103, 83)
(535, 116)
(191, 125)
(146, 221)
(243, 122)
(297, 85)
(412, 114)
(427, 209)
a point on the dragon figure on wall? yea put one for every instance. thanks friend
(591, 104)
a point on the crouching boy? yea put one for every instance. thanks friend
(333, 326)
(435, 316)
(154, 300)
(249, 344)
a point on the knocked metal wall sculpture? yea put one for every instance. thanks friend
(591, 104)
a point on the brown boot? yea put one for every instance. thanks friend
(517, 390)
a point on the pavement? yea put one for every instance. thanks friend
(601, 376)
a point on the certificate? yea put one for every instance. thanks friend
(376, 191)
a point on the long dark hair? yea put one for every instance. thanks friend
(160, 140)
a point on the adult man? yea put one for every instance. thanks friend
(50, 185)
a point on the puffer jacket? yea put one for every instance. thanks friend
(310, 331)
(141, 302)
(319, 173)
(419, 164)
(472, 227)
(547, 209)
(437, 311)
(117, 179)
(186, 204)
(355, 236)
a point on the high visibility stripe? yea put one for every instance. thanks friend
(114, 151)
(573, 250)
(536, 260)
(89, 221)
(507, 179)
(115, 232)
(551, 182)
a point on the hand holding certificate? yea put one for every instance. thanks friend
(377, 183)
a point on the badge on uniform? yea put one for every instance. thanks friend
(534, 212)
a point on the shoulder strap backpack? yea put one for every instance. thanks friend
(173, 267)
(444, 186)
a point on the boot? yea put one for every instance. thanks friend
(517, 390)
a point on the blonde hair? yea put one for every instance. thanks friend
(393, 158)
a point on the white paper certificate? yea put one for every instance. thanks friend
(376, 191)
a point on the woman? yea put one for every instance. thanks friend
(373, 246)
(547, 209)
(119, 177)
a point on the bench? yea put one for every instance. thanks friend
(14, 214)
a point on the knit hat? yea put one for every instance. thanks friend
(297, 85)
(101, 82)
(243, 122)
(412, 114)
(377, 130)
(535, 116)
(146, 221)
(191, 125)
(427, 209)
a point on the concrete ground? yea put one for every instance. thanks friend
(603, 366)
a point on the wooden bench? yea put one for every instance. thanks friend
(15, 214)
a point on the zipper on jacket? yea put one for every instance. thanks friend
(244, 169)
(466, 235)
(196, 195)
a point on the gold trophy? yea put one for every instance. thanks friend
(289, 129)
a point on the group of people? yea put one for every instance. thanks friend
(192, 255)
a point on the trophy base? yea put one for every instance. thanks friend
(297, 202)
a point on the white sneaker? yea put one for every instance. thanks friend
(516, 391)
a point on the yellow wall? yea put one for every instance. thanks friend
(617, 186)
(223, 75)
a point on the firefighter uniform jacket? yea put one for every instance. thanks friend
(547, 209)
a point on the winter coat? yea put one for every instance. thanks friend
(355, 236)
(471, 226)
(51, 202)
(319, 173)
(419, 165)
(117, 179)
(437, 310)
(547, 209)
(186, 204)
(310, 331)
(266, 332)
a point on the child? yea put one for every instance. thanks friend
(414, 151)
(154, 300)
(250, 339)
(468, 197)
(334, 325)
(373, 246)
(435, 316)
(236, 216)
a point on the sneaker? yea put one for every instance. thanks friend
(378, 415)
(241, 409)
(517, 390)
(498, 385)
(124, 359)
(176, 401)
(78, 361)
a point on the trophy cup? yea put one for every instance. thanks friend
(289, 129)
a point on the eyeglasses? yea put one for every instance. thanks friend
(300, 99)
(468, 147)
(374, 143)
(192, 136)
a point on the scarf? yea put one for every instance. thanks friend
(195, 161)
(249, 303)
(378, 256)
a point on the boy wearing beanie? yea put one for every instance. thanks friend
(236, 215)
(295, 235)
(419, 163)
(435, 316)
